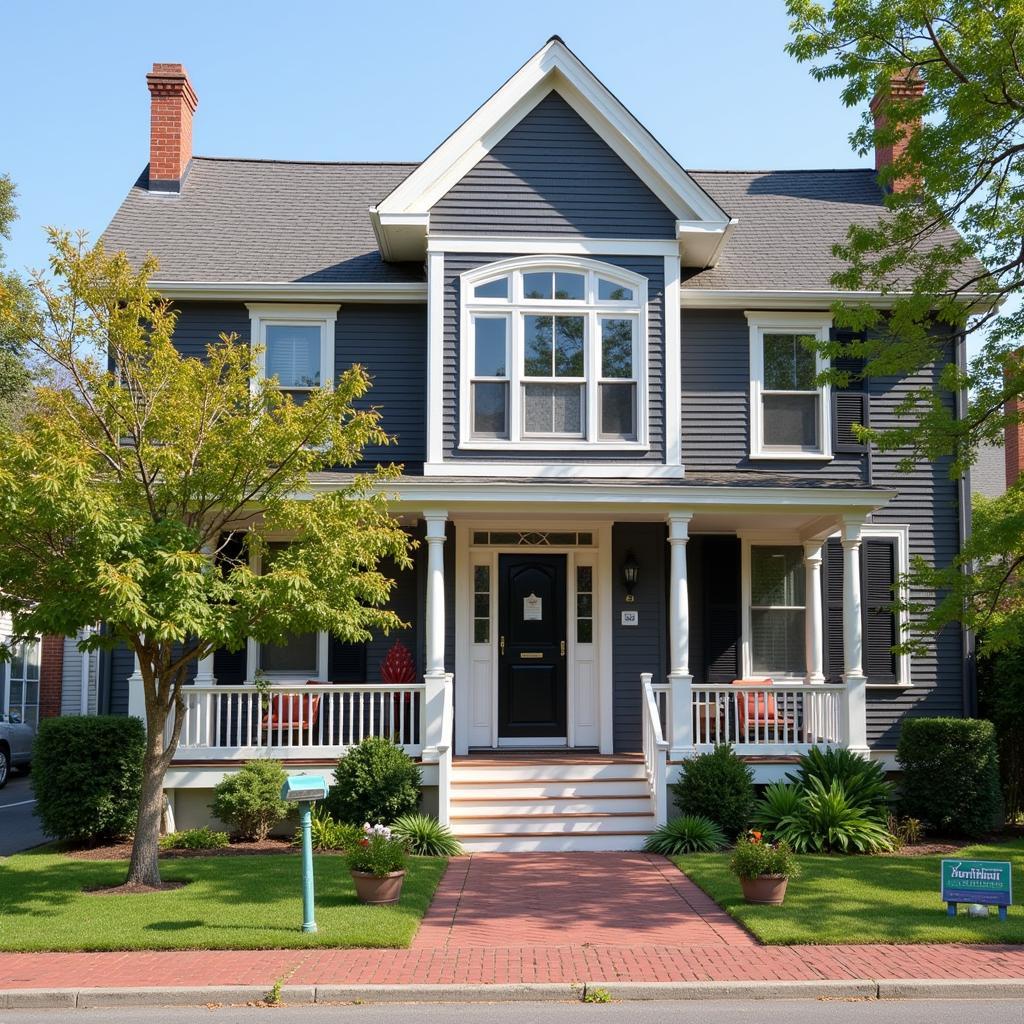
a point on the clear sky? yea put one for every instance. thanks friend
(295, 79)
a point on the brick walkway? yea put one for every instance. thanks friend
(535, 918)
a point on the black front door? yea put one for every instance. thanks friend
(531, 646)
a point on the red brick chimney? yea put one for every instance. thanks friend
(1014, 432)
(903, 88)
(51, 676)
(173, 102)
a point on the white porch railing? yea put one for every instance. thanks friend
(777, 718)
(655, 750)
(297, 721)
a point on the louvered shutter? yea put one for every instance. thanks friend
(878, 577)
(832, 604)
(721, 609)
(851, 404)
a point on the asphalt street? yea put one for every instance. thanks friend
(19, 828)
(810, 1011)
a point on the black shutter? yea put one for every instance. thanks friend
(229, 666)
(878, 577)
(721, 609)
(832, 604)
(346, 663)
(851, 404)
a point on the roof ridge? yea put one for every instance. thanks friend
(321, 163)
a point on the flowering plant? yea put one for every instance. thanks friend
(755, 857)
(378, 853)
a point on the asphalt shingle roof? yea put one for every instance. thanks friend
(263, 220)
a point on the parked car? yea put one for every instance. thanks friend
(15, 746)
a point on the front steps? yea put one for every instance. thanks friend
(520, 804)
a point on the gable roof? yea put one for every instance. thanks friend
(401, 219)
(262, 221)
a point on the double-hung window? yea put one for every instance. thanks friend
(777, 610)
(553, 356)
(789, 410)
(296, 345)
(21, 697)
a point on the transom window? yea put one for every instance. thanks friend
(789, 416)
(554, 355)
(297, 344)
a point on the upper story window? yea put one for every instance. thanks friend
(553, 354)
(789, 411)
(297, 343)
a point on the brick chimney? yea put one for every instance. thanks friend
(903, 88)
(173, 101)
(1013, 433)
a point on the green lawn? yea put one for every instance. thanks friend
(230, 903)
(861, 899)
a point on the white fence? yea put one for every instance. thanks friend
(655, 749)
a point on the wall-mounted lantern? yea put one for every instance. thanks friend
(630, 575)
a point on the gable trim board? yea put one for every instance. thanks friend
(401, 220)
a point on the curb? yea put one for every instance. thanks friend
(620, 991)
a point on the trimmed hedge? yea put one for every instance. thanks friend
(950, 775)
(374, 782)
(250, 800)
(87, 776)
(719, 786)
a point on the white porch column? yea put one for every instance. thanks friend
(814, 641)
(856, 683)
(680, 681)
(434, 678)
(136, 693)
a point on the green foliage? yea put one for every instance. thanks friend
(1001, 701)
(596, 994)
(195, 839)
(328, 834)
(827, 821)
(374, 782)
(863, 781)
(719, 786)
(905, 831)
(250, 800)
(690, 833)
(950, 774)
(753, 857)
(378, 853)
(86, 776)
(17, 327)
(425, 836)
(778, 802)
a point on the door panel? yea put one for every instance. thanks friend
(531, 646)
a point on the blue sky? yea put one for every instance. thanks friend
(379, 81)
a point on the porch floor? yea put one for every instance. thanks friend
(557, 899)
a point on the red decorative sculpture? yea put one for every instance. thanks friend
(398, 666)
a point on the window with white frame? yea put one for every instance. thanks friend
(297, 345)
(789, 410)
(21, 699)
(554, 354)
(777, 610)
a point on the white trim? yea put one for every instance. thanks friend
(552, 245)
(783, 299)
(592, 310)
(549, 470)
(294, 291)
(673, 383)
(435, 357)
(554, 65)
(763, 322)
(262, 315)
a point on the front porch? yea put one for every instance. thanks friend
(531, 635)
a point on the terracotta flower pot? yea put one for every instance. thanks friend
(769, 889)
(371, 889)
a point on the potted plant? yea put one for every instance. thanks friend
(377, 863)
(764, 869)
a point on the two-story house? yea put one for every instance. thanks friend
(646, 527)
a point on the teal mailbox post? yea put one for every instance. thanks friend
(304, 790)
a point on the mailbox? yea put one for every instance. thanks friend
(302, 788)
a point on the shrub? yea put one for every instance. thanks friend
(328, 834)
(87, 776)
(250, 800)
(778, 802)
(950, 774)
(374, 782)
(826, 821)
(754, 857)
(691, 833)
(718, 786)
(425, 836)
(195, 839)
(378, 853)
(863, 781)
(1001, 701)
(905, 831)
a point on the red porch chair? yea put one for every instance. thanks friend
(292, 713)
(760, 710)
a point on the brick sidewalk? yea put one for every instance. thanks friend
(534, 918)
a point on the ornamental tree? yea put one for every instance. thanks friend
(962, 168)
(119, 493)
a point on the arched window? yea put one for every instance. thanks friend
(553, 355)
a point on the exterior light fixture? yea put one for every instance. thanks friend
(630, 575)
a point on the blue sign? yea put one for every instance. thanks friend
(988, 882)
